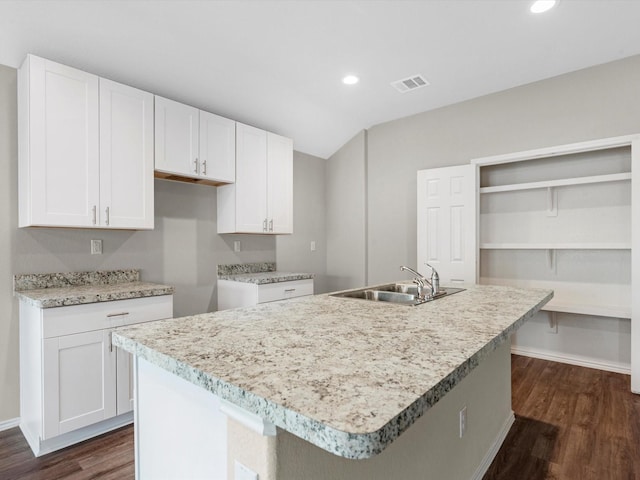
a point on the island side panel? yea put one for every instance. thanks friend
(180, 431)
(429, 449)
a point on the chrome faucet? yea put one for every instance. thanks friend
(421, 281)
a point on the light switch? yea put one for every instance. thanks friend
(313, 245)
(236, 246)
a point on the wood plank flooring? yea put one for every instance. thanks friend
(108, 457)
(571, 423)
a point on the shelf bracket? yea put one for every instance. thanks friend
(551, 259)
(553, 322)
(552, 202)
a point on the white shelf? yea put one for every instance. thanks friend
(603, 300)
(556, 246)
(614, 177)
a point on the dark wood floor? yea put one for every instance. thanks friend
(571, 423)
(109, 456)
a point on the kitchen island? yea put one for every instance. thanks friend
(327, 387)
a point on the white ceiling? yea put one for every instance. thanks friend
(278, 64)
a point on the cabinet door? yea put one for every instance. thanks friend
(124, 383)
(217, 147)
(251, 179)
(280, 183)
(176, 138)
(62, 152)
(447, 237)
(79, 381)
(126, 157)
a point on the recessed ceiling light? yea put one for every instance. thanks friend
(350, 80)
(542, 6)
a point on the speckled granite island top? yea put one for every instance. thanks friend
(344, 374)
(258, 273)
(50, 290)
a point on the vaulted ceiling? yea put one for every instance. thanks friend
(278, 65)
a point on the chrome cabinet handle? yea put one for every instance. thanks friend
(106, 212)
(121, 314)
(195, 165)
(264, 225)
(204, 167)
(271, 225)
(95, 212)
(289, 290)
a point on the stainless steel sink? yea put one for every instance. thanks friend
(399, 293)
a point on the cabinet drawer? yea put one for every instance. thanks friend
(283, 290)
(97, 316)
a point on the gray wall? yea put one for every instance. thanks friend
(346, 215)
(183, 250)
(293, 252)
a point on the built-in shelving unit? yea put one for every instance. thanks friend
(561, 218)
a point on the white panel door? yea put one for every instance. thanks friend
(217, 147)
(447, 234)
(63, 144)
(279, 184)
(79, 381)
(126, 157)
(176, 138)
(251, 179)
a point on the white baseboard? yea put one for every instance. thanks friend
(495, 448)
(11, 423)
(577, 360)
(42, 447)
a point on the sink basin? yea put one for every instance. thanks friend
(399, 293)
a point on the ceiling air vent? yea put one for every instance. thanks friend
(410, 83)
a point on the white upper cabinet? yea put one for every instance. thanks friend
(58, 145)
(280, 183)
(126, 156)
(192, 143)
(85, 149)
(261, 200)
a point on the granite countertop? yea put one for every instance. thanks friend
(263, 278)
(344, 374)
(76, 288)
(258, 273)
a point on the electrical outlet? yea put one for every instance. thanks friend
(313, 245)
(463, 420)
(243, 473)
(236, 246)
(96, 247)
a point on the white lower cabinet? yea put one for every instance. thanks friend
(73, 383)
(79, 381)
(233, 294)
